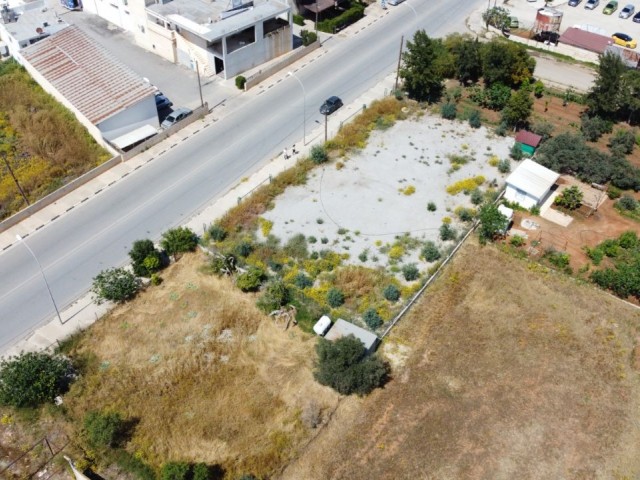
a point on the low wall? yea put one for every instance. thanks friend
(285, 61)
(197, 114)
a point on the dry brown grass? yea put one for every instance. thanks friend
(207, 376)
(513, 372)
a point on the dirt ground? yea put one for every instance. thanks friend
(512, 372)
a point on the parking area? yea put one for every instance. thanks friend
(593, 20)
(178, 83)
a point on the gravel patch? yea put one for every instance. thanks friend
(362, 206)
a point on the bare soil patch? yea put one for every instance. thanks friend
(514, 372)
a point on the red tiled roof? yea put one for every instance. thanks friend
(587, 40)
(88, 76)
(528, 138)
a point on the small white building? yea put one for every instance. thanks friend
(530, 184)
(342, 328)
(107, 97)
(322, 325)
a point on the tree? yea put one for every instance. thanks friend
(33, 378)
(103, 430)
(518, 109)
(622, 142)
(469, 66)
(139, 253)
(175, 471)
(605, 97)
(492, 223)
(391, 293)
(570, 198)
(497, 17)
(116, 285)
(335, 297)
(372, 318)
(345, 366)
(275, 295)
(250, 280)
(421, 78)
(179, 240)
(631, 94)
(506, 62)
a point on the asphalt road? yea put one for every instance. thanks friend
(98, 234)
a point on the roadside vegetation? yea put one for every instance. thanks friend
(43, 143)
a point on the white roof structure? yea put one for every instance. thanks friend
(342, 328)
(88, 76)
(506, 211)
(134, 136)
(533, 178)
(322, 325)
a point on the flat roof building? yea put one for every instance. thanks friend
(342, 328)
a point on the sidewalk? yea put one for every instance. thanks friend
(83, 312)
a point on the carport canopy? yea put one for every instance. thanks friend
(134, 136)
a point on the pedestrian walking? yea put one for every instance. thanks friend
(286, 154)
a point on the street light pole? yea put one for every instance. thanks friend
(19, 238)
(401, 44)
(6, 162)
(304, 108)
(199, 84)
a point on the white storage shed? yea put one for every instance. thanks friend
(530, 184)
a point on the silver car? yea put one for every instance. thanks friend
(591, 4)
(627, 11)
(175, 116)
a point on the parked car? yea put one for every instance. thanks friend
(627, 11)
(513, 22)
(175, 116)
(546, 36)
(574, 3)
(394, 2)
(591, 4)
(624, 40)
(330, 105)
(611, 7)
(636, 17)
(162, 101)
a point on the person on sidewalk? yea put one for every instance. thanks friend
(286, 154)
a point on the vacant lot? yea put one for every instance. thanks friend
(512, 372)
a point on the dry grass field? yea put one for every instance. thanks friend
(205, 376)
(511, 371)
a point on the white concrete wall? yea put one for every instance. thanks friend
(524, 199)
(136, 116)
(263, 50)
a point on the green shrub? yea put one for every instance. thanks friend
(103, 430)
(542, 128)
(596, 255)
(447, 232)
(613, 192)
(335, 297)
(302, 281)
(628, 240)
(240, 81)
(175, 471)
(364, 255)
(558, 259)
(391, 293)
(372, 319)
(156, 279)
(497, 96)
(516, 152)
(570, 198)
(449, 111)
(298, 19)
(132, 464)
(201, 471)
(296, 247)
(250, 280)
(476, 196)
(430, 251)
(179, 240)
(319, 154)
(538, 89)
(475, 120)
(628, 203)
(275, 295)
(593, 128)
(504, 165)
(352, 14)
(243, 248)
(517, 241)
(33, 378)
(308, 37)
(465, 214)
(501, 129)
(410, 272)
(431, 206)
(115, 285)
(345, 366)
(535, 210)
(622, 142)
(217, 232)
(142, 250)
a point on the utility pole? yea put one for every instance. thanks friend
(6, 162)
(199, 84)
(325, 128)
(317, 21)
(399, 59)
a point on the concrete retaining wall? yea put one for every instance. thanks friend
(276, 66)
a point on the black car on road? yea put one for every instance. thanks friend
(330, 105)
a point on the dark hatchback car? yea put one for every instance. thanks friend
(330, 105)
(162, 102)
(636, 17)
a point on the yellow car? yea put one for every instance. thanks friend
(624, 40)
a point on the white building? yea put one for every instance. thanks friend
(224, 38)
(107, 97)
(530, 184)
(342, 328)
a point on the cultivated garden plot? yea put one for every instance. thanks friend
(362, 205)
